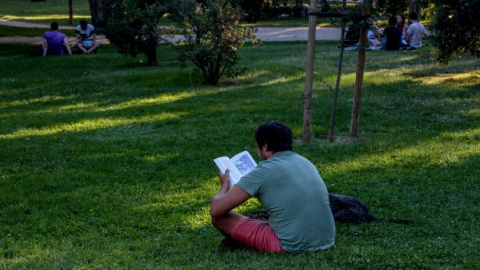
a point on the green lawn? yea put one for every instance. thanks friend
(57, 10)
(9, 31)
(43, 12)
(107, 164)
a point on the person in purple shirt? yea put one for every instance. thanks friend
(54, 42)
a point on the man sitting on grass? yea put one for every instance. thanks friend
(86, 37)
(393, 36)
(415, 32)
(289, 187)
(54, 42)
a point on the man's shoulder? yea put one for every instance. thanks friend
(49, 34)
(422, 26)
(415, 25)
(290, 156)
(285, 154)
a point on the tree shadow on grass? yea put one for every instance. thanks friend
(143, 178)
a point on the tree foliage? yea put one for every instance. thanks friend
(252, 9)
(392, 7)
(133, 26)
(456, 28)
(213, 36)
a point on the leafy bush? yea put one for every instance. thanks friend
(132, 26)
(456, 28)
(392, 7)
(213, 36)
(253, 9)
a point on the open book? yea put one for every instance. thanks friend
(239, 165)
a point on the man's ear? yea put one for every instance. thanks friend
(265, 147)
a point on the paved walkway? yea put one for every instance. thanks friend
(267, 34)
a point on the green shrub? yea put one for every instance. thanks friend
(456, 29)
(213, 36)
(132, 26)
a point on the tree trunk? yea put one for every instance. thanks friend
(70, 12)
(360, 72)
(152, 55)
(96, 10)
(414, 7)
(337, 85)
(309, 74)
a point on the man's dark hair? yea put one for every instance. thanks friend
(54, 26)
(392, 21)
(276, 135)
(83, 24)
(413, 15)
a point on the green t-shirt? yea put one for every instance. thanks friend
(291, 189)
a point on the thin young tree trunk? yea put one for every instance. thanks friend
(360, 72)
(337, 85)
(152, 55)
(309, 71)
(339, 75)
(70, 12)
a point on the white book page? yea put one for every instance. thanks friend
(224, 163)
(244, 162)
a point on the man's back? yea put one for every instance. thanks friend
(393, 35)
(296, 198)
(55, 41)
(416, 31)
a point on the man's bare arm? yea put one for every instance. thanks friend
(65, 43)
(45, 47)
(226, 198)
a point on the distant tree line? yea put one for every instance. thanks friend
(134, 26)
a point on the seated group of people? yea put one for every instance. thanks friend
(396, 36)
(399, 36)
(56, 43)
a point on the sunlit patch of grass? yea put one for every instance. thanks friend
(474, 112)
(464, 79)
(278, 80)
(157, 157)
(472, 135)
(18, 257)
(43, 99)
(90, 125)
(158, 100)
(107, 163)
(80, 106)
(443, 150)
(50, 17)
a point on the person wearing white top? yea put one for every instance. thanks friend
(86, 37)
(415, 32)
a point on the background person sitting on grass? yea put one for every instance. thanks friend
(415, 32)
(54, 42)
(291, 189)
(393, 35)
(86, 37)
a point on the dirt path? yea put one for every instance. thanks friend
(266, 34)
(30, 25)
